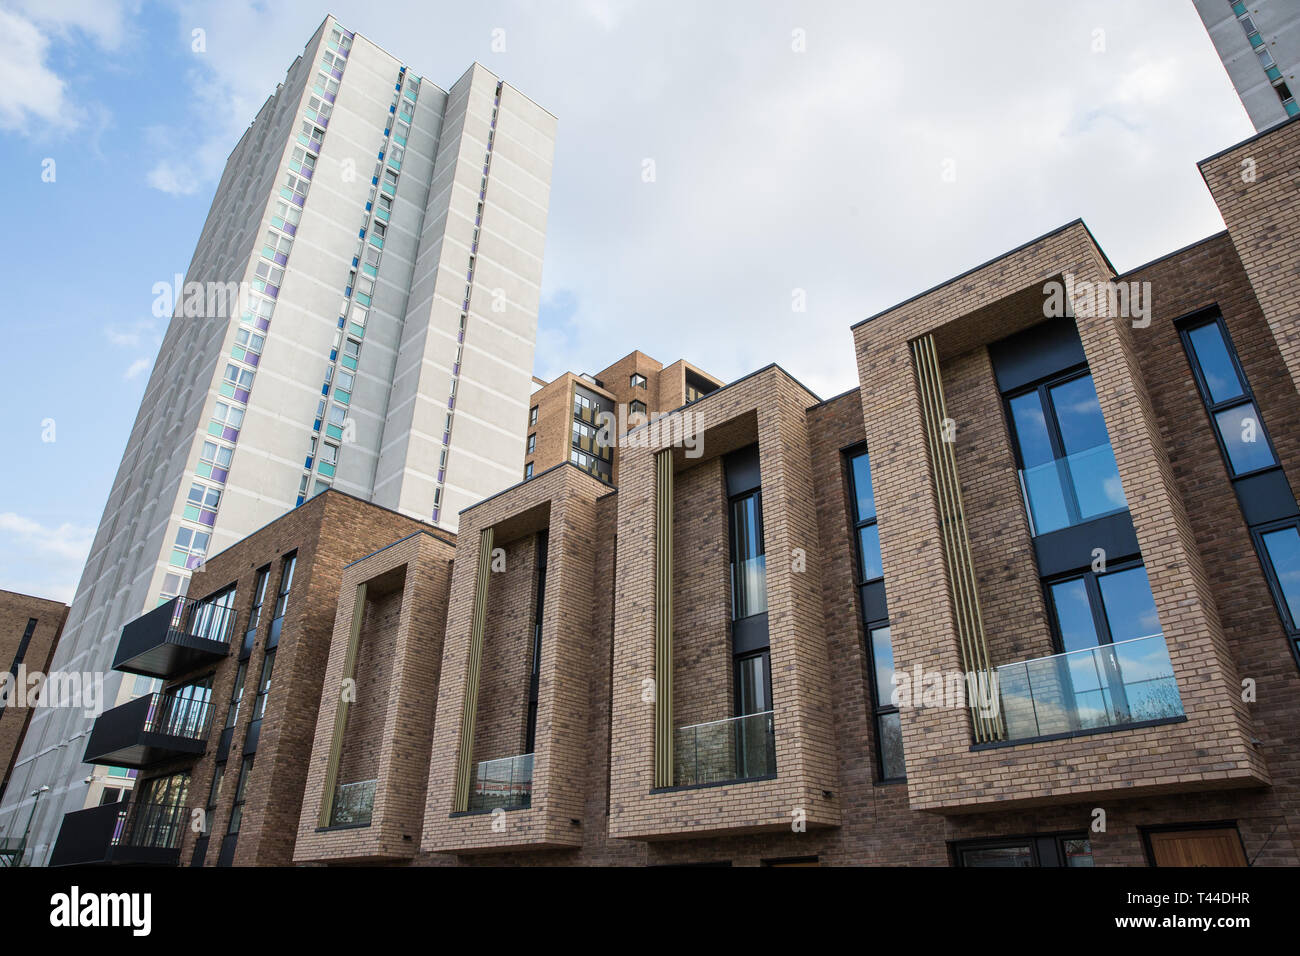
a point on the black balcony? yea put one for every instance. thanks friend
(175, 638)
(145, 835)
(149, 729)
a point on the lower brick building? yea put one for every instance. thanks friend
(1029, 595)
(30, 628)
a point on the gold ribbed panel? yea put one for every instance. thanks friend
(664, 618)
(341, 714)
(465, 755)
(956, 543)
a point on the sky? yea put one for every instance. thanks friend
(843, 155)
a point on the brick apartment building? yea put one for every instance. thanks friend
(690, 659)
(29, 630)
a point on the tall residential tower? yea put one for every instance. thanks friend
(1259, 44)
(385, 237)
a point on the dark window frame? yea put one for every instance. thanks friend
(1092, 586)
(958, 848)
(882, 707)
(1257, 532)
(1186, 326)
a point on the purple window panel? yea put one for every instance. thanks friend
(263, 324)
(273, 291)
(314, 146)
(446, 437)
(291, 229)
(193, 561)
(281, 259)
(241, 395)
(337, 74)
(208, 518)
(252, 359)
(451, 403)
(455, 368)
(305, 173)
(297, 199)
(230, 434)
(329, 97)
(441, 474)
(461, 337)
(435, 514)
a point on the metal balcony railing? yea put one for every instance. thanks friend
(506, 783)
(1107, 687)
(738, 748)
(157, 826)
(178, 716)
(174, 638)
(353, 803)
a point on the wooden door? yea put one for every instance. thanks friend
(1216, 847)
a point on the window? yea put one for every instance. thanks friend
(1278, 545)
(214, 795)
(637, 381)
(202, 503)
(111, 795)
(216, 455)
(1093, 609)
(1227, 397)
(259, 592)
(238, 376)
(189, 548)
(1068, 470)
(636, 407)
(227, 416)
(748, 557)
(241, 792)
(264, 684)
(532, 443)
(880, 648)
(286, 582)
(236, 695)
(1056, 850)
(28, 631)
(528, 471)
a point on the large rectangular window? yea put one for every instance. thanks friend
(748, 557)
(1067, 467)
(1267, 501)
(880, 649)
(1054, 850)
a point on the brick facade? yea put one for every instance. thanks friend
(16, 611)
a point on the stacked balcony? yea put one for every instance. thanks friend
(149, 729)
(175, 638)
(148, 834)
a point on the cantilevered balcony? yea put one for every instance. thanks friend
(1095, 689)
(720, 751)
(145, 834)
(149, 729)
(175, 638)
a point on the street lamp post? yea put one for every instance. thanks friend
(22, 850)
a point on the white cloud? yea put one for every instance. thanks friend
(174, 177)
(39, 559)
(140, 365)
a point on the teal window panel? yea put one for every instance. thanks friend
(295, 165)
(1291, 108)
(389, 188)
(369, 270)
(356, 330)
(381, 214)
(277, 222)
(286, 193)
(318, 89)
(238, 354)
(1256, 40)
(1274, 73)
(376, 242)
(204, 470)
(342, 397)
(214, 428)
(191, 513)
(349, 363)
(410, 93)
(302, 138)
(326, 470)
(394, 163)
(399, 140)
(333, 431)
(177, 560)
(362, 298)
(227, 390)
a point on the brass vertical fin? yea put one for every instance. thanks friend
(341, 714)
(956, 542)
(664, 618)
(465, 754)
